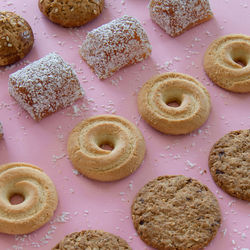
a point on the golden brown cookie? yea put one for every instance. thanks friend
(87, 153)
(71, 13)
(60, 86)
(227, 62)
(92, 239)
(39, 198)
(176, 213)
(1, 131)
(175, 17)
(191, 97)
(114, 45)
(16, 38)
(229, 163)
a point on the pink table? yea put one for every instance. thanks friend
(86, 204)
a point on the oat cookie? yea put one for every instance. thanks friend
(16, 39)
(71, 13)
(176, 212)
(92, 239)
(229, 163)
(227, 62)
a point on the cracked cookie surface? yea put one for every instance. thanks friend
(229, 163)
(176, 212)
(71, 13)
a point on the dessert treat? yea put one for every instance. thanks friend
(45, 86)
(87, 152)
(1, 131)
(227, 62)
(71, 13)
(114, 45)
(39, 198)
(92, 239)
(16, 38)
(229, 163)
(191, 98)
(175, 17)
(176, 212)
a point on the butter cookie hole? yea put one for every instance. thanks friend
(107, 146)
(174, 103)
(16, 199)
(241, 61)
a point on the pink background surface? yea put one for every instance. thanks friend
(86, 204)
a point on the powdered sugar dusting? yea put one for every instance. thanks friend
(45, 86)
(114, 45)
(174, 16)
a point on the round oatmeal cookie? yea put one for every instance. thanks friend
(176, 212)
(17, 38)
(71, 13)
(92, 239)
(227, 62)
(229, 163)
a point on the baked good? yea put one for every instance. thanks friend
(92, 239)
(229, 163)
(89, 156)
(227, 62)
(176, 212)
(45, 86)
(177, 16)
(190, 96)
(38, 192)
(71, 13)
(1, 131)
(114, 45)
(16, 38)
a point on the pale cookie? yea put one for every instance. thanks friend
(227, 62)
(87, 153)
(175, 17)
(176, 213)
(192, 99)
(229, 163)
(114, 45)
(71, 13)
(16, 39)
(1, 131)
(39, 198)
(92, 239)
(45, 86)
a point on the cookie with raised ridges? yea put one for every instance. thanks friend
(229, 163)
(176, 212)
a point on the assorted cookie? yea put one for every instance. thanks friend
(71, 13)
(45, 86)
(89, 156)
(176, 212)
(227, 62)
(229, 163)
(115, 45)
(191, 97)
(39, 198)
(175, 17)
(16, 38)
(92, 239)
